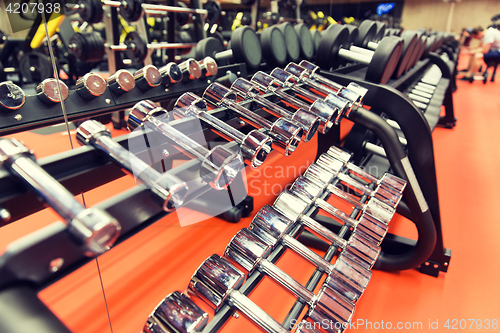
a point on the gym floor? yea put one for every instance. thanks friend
(138, 273)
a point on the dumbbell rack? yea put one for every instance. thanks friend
(39, 114)
(387, 99)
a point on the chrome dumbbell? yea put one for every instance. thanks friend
(255, 146)
(285, 134)
(367, 226)
(308, 121)
(176, 313)
(388, 181)
(249, 251)
(217, 281)
(12, 97)
(169, 190)
(50, 91)
(345, 275)
(219, 166)
(92, 228)
(326, 112)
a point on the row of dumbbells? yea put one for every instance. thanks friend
(218, 279)
(219, 166)
(92, 85)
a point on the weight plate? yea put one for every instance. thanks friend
(208, 47)
(182, 18)
(317, 38)
(353, 33)
(422, 48)
(131, 10)
(214, 11)
(428, 46)
(273, 46)
(35, 67)
(137, 48)
(384, 61)
(335, 37)
(91, 11)
(439, 41)
(306, 41)
(381, 27)
(416, 51)
(367, 33)
(246, 47)
(12, 97)
(88, 46)
(292, 41)
(410, 39)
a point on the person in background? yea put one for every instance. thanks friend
(487, 51)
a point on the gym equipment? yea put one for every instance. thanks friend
(326, 112)
(90, 85)
(169, 190)
(255, 146)
(176, 313)
(190, 70)
(306, 44)
(245, 47)
(381, 66)
(48, 91)
(216, 282)
(214, 11)
(273, 46)
(291, 40)
(389, 181)
(272, 228)
(35, 66)
(250, 252)
(329, 168)
(308, 121)
(219, 165)
(120, 82)
(208, 67)
(285, 134)
(94, 229)
(170, 74)
(147, 77)
(358, 248)
(12, 96)
(367, 225)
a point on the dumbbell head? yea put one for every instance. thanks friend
(292, 40)
(306, 41)
(348, 277)
(214, 280)
(48, 91)
(176, 313)
(121, 82)
(270, 225)
(147, 77)
(308, 121)
(190, 69)
(170, 73)
(246, 249)
(208, 67)
(12, 97)
(331, 306)
(255, 145)
(90, 85)
(273, 46)
(285, 134)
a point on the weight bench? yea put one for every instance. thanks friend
(493, 64)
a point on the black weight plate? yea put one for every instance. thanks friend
(292, 41)
(35, 67)
(422, 49)
(214, 11)
(384, 61)
(439, 41)
(381, 27)
(306, 41)
(137, 48)
(317, 38)
(208, 47)
(416, 51)
(131, 10)
(367, 33)
(409, 41)
(91, 11)
(335, 37)
(273, 46)
(353, 33)
(246, 47)
(182, 18)
(429, 44)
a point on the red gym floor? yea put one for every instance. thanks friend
(138, 273)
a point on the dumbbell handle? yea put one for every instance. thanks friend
(353, 56)
(153, 46)
(372, 45)
(361, 50)
(159, 8)
(251, 117)
(255, 314)
(223, 55)
(336, 212)
(57, 197)
(285, 280)
(323, 231)
(306, 253)
(190, 146)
